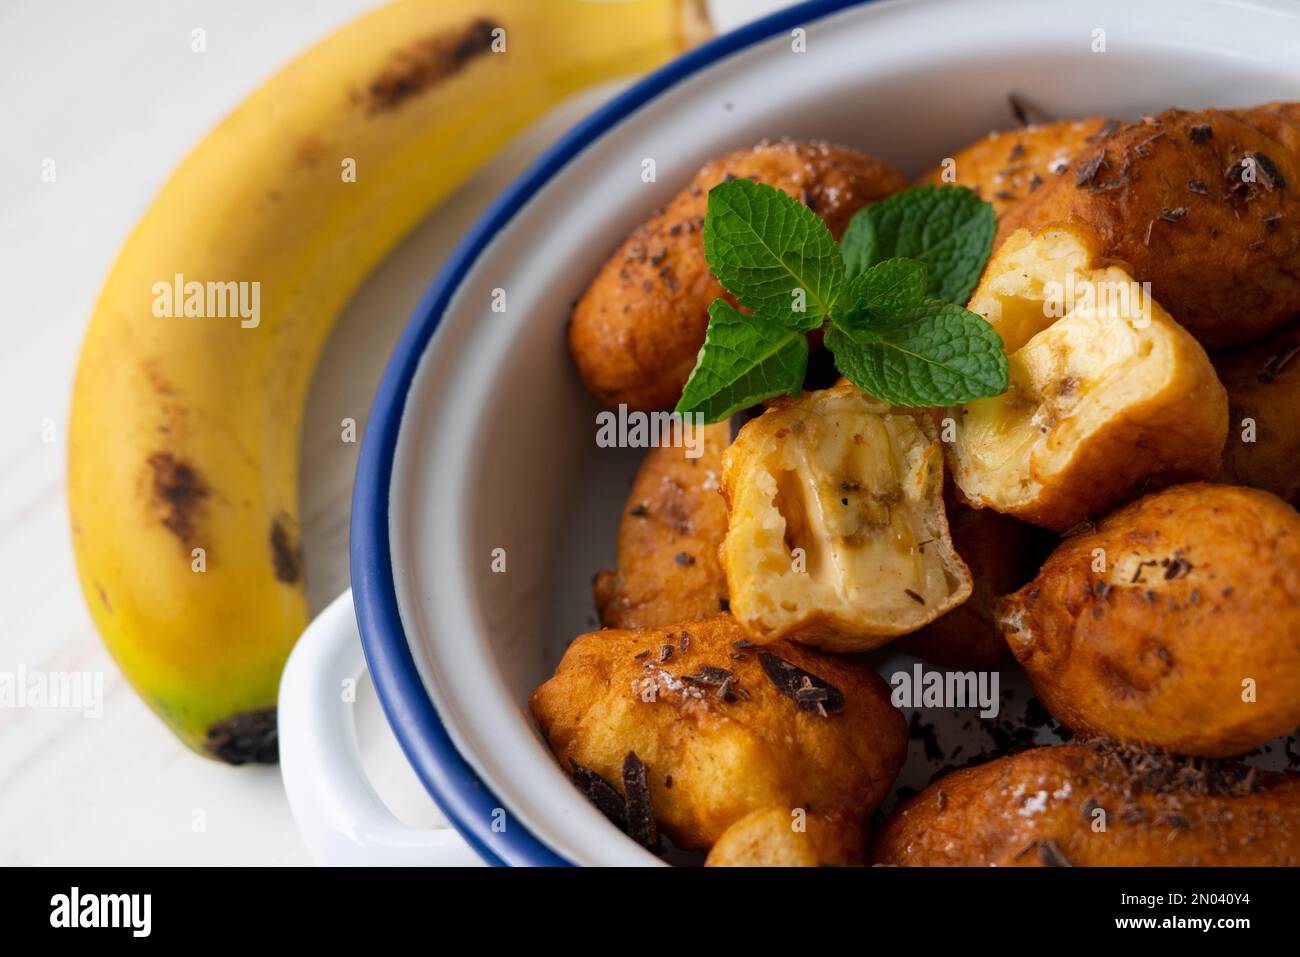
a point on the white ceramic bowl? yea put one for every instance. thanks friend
(482, 437)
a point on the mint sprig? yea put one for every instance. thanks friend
(775, 255)
(745, 359)
(948, 228)
(932, 355)
(886, 292)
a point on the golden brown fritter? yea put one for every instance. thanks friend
(1002, 554)
(791, 837)
(836, 534)
(1107, 395)
(1174, 623)
(702, 711)
(1098, 806)
(667, 567)
(1008, 165)
(637, 330)
(1203, 205)
(1263, 383)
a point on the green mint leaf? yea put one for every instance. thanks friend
(881, 295)
(948, 228)
(938, 355)
(772, 253)
(745, 359)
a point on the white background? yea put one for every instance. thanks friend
(114, 95)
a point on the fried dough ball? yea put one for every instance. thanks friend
(1174, 623)
(836, 534)
(791, 837)
(1107, 395)
(667, 560)
(1263, 383)
(1002, 554)
(1008, 165)
(1201, 205)
(636, 331)
(1098, 806)
(719, 738)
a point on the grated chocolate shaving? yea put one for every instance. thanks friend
(640, 816)
(1087, 173)
(1049, 852)
(818, 696)
(710, 677)
(1276, 363)
(599, 792)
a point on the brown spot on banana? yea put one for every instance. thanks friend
(249, 737)
(179, 492)
(286, 550)
(308, 154)
(426, 63)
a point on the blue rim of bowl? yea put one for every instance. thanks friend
(460, 793)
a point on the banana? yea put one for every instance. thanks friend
(183, 440)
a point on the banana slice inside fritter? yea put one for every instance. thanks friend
(836, 534)
(1108, 395)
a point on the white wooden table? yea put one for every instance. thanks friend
(113, 93)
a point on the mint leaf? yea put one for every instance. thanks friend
(939, 354)
(745, 359)
(770, 252)
(948, 228)
(884, 293)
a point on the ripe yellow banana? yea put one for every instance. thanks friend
(183, 442)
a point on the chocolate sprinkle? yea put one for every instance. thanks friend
(1107, 129)
(806, 690)
(640, 816)
(1271, 176)
(1132, 813)
(1178, 567)
(710, 677)
(1275, 363)
(1087, 173)
(1201, 134)
(1026, 113)
(1049, 852)
(599, 792)
(727, 691)
(1173, 215)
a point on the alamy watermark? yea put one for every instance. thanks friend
(643, 430)
(129, 911)
(208, 300)
(1130, 300)
(53, 690)
(919, 688)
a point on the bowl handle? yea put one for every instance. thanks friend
(341, 818)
